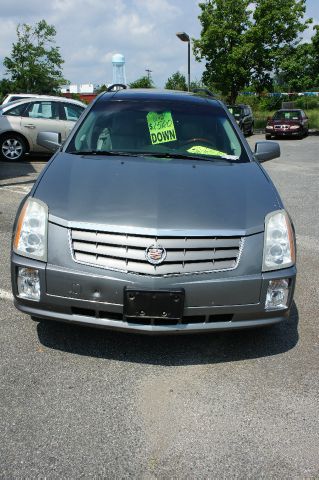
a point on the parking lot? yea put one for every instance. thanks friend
(85, 403)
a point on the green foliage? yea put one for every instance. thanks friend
(142, 82)
(252, 100)
(275, 30)
(261, 103)
(224, 45)
(307, 103)
(197, 84)
(100, 88)
(5, 87)
(35, 63)
(313, 116)
(296, 68)
(266, 104)
(176, 82)
(315, 53)
(245, 47)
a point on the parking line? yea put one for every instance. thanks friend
(5, 295)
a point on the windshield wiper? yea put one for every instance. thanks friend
(103, 152)
(209, 158)
(181, 156)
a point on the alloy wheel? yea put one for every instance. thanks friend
(12, 148)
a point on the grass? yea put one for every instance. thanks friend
(313, 118)
(261, 118)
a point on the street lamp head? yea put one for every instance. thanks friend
(183, 36)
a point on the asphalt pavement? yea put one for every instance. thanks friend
(85, 403)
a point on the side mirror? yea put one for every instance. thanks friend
(50, 140)
(268, 119)
(266, 151)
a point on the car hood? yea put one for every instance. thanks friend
(157, 194)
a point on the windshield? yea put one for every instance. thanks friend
(159, 128)
(235, 110)
(289, 115)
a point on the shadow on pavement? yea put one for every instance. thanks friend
(216, 347)
(22, 169)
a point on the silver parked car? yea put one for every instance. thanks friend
(156, 217)
(22, 121)
(15, 97)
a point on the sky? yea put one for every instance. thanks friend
(89, 32)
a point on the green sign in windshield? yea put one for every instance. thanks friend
(161, 127)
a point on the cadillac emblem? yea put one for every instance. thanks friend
(155, 254)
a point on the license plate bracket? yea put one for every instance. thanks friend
(162, 304)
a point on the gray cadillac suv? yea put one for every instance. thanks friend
(155, 216)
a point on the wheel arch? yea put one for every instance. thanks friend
(10, 132)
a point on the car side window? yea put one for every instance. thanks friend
(72, 112)
(44, 110)
(16, 111)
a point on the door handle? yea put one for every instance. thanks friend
(29, 125)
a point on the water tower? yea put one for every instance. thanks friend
(118, 62)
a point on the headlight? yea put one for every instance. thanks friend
(270, 127)
(30, 239)
(294, 127)
(279, 244)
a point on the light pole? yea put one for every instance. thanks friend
(148, 72)
(185, 38)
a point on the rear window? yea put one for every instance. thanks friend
(236, 111)
(158, 127)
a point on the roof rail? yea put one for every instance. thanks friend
(204, 90)
(116, 86)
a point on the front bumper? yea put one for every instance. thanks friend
(212, 302)
(284, 133)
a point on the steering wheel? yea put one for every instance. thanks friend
(200, 140)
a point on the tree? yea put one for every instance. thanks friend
(244, 47)
(176, 82)
(5, 87)
(196, 84)
(224, 45)
(100, 88)
(299, 65)
(295, 71)
(35, 63)
(315, 57)
(274, 34)
(142, 82)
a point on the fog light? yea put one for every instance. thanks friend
(28, 283)
(277, 294)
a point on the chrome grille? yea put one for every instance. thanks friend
(127, 252)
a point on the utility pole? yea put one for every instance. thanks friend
(148, 72)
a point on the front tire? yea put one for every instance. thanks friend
(268, 136)
(12, 147)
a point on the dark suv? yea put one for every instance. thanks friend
(287, 122)
(244, 117)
